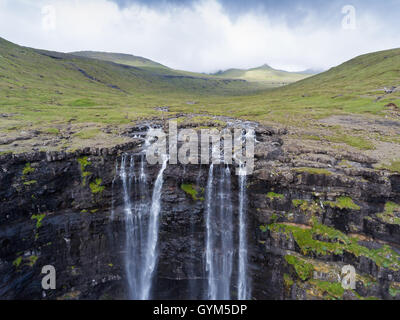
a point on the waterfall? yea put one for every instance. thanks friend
(141, 224)
(243, 290)
(131, 229)
(220, 242)
(243, 285)
(219, 235)
(226, 253)
(152, 235)
(210, 268)
(226, 225)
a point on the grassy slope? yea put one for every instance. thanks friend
(264, 74)
(126, 59)
(43, 91)
(46, 89)
(352, 87)
(140, 62)
(32, 79)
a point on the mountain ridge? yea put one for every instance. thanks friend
(121, 58)
(263, 73)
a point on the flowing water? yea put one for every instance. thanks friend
(152, 234)
(142, 215)
(226, 255)
(220, 240)
(243, 289)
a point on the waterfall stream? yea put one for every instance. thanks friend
(219, 235)
(152, 235)
(220, 241)
(226, 255)
(141, 224)
(243, 293)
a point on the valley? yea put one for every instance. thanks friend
(324, 194)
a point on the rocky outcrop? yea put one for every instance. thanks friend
(310, 212)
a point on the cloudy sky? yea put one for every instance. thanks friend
(209, 35)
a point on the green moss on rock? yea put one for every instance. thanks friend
(273, 196)
(17, 262)
(297, 202)
(389, 215)
(38, 218)
(30, 183)
(394, 166)
(332, 241)
(288, 281)
(27, 170)
(191, 190)
(330, 290)
(311, 207)
(32, 260)
(394, 289)
(84, 162)
(343, 203)
(303, 269)
(315, 171)
(96, 186)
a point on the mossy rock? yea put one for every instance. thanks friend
(84, 162)
(96, 186)
(336, 243)
(314, 171)
(38, 218)
(303, 269)
(389, 215)
(343, 203)
(307, 207)
(27, 170)
(275, 196)
(192, 190)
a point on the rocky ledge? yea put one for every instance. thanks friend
(310, 212)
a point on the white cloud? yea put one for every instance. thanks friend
(201, 37)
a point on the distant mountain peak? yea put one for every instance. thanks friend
(265, 66)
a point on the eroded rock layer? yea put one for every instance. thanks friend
(310, 212)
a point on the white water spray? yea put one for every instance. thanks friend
(152, 235)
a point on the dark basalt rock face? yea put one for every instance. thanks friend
(52, 215)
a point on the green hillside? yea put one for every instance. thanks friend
(356, 86)
(30, 76)
(91, 100)
(345, 108)
(264, 74)
(126, 59)
(49, 90)
(142, 63)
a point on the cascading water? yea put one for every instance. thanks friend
(226, 233)
(220, 242)
(220, 246)
(243, 290)
(210, 267)
(141, 223)
(219, 235)
(132, 228)
(152, 235)
(243, 280)
(225, 252)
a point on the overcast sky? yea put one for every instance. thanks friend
(208, 35)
